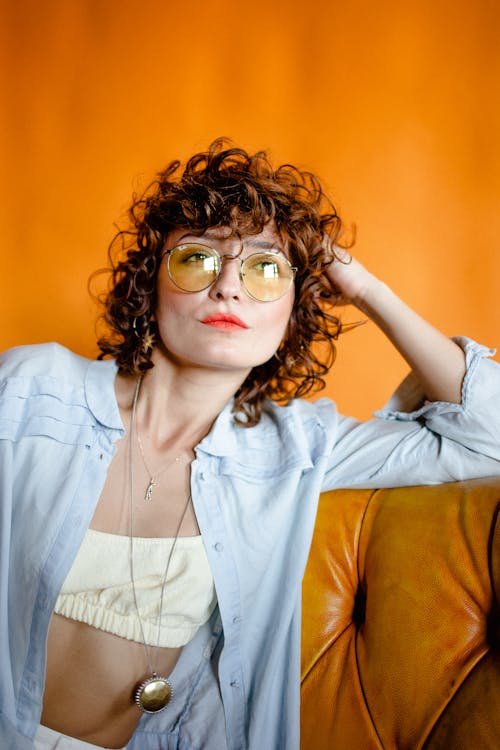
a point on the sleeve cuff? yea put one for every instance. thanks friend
(408, 402)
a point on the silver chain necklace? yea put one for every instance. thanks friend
(154, 693)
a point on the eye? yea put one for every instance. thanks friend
(196, 257)
(267, 267)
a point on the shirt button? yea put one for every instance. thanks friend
(202, 476)
(236, 620)
(234, 683)
(218, 546)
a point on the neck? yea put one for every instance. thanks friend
(178, 404)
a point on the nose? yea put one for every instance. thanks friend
(228, 283)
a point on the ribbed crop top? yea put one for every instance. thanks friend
(98, 589)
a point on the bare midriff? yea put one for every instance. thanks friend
(90, 681)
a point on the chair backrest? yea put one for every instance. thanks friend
(401, 620)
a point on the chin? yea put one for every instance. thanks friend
(218, 357)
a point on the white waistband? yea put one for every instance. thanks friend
(49, 739)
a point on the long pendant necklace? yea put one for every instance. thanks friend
(154, 693)
(148, 495)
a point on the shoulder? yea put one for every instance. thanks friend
(300, 414)
(47, 360)
(295, 435)
(50, 382)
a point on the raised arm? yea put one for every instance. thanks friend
(438, 363)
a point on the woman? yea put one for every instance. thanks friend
(157, 507)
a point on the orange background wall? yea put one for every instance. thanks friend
(395, 104)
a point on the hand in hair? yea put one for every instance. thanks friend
(351, 282)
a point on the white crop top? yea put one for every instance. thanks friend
(98, 589)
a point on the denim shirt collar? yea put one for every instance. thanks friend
(100, 393)
(221, 440)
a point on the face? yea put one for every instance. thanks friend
(222, 327)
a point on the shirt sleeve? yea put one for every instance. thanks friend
(414, 441)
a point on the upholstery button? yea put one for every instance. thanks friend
(493, 627)
(359, 609)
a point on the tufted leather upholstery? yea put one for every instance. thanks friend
(401, 622)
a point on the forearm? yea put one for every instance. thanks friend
(436, 360)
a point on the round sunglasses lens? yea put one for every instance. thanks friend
(193, 267)
(267, 276)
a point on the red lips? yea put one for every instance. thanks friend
(224, 321)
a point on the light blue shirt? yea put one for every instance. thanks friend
(255, 494)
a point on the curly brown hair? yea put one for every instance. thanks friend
(227, 187)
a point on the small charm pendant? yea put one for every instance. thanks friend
(149, 490)
(153, 695)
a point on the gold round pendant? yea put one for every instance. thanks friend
(153, 695)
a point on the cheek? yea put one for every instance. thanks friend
(276, 323)
(285, 312)
(173, 320)
(171, 304)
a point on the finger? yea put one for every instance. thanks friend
(341, 254)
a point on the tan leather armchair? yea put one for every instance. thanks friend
(401, 620)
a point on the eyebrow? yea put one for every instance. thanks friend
(264, 244)
(251, 242)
